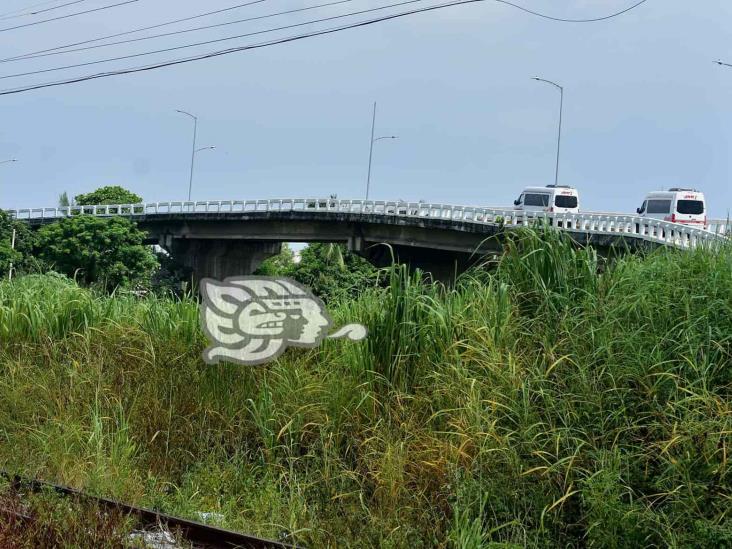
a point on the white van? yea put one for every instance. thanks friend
(676, 205)
(552, 198)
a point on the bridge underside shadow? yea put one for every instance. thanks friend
(442, 265)
(221, 258)
(236, 245)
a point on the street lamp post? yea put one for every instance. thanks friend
(194, 150)
(371, 149)
(559, 136)
(12, 238)
(12, 247)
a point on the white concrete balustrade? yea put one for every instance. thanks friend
(664, 232)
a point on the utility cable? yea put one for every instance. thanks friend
(38, 12)
(75, 14)
(561, 20)
(175, 33)
(167, 23)
(32, 6)
(208, 42)
(140, 29)
(219, 53)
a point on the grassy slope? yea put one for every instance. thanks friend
(544, 405)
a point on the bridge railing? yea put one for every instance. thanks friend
(655, 230)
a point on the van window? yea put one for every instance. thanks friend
(643, 207)
(536, 199)
(690, 207)
(563, 201)
(659, 206)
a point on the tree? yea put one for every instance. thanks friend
(21, 256)
(329, 270)
(332, 272)
(108, 195)
(108, 251)
(281, 264)
(171, 278)
(63, 200)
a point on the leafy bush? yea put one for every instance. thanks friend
(106, 251)
(113, 194)
(333, 273)
(20, 256)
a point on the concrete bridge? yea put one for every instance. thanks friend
(224, 238)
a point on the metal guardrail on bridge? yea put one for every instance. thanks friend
(654, 230)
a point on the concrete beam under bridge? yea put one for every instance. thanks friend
(231, 245)
(227, 243)
(222, 258)
(442, 265)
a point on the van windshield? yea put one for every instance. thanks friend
(659, 206)
(690, 207)
(535, 199)
(563, 201)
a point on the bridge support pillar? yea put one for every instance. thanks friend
(220, 259)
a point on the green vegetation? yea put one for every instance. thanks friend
(107, 251)
(20, 256)
(281, 264)
(63, 200)
(112, 194)
(332, 272)
(557, 401)
(61, 522)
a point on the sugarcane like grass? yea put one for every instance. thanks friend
(559, 400)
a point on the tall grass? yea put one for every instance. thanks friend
(560, 400)
(35, 308)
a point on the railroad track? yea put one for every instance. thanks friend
(198, 534)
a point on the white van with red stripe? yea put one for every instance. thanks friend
(686, 206)
(552, 198)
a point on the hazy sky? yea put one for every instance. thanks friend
(645, 106)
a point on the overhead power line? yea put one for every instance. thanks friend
(32, 6)
(208, 42)
(206, 14)
(562, 20)
(140, 29)
(75, 14)
(228, 51)
(176, 33)
(38, 12)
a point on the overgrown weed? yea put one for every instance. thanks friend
(558, 401)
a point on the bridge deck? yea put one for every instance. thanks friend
(465, 219)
